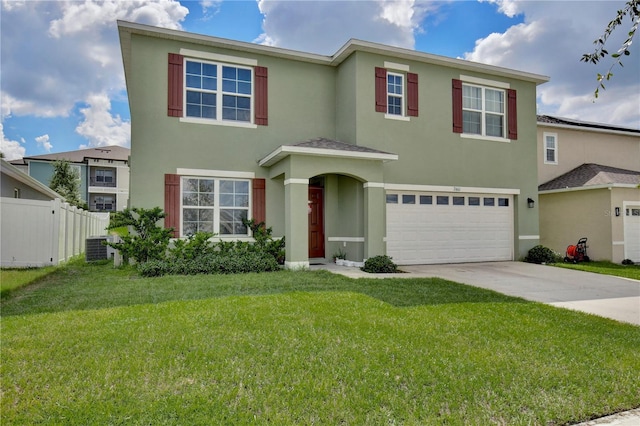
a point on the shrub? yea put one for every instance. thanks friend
(380, 265)
(541, 254)
(148, 240)
(628, 262)
(212, 263)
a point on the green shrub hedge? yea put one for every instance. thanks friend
(542, 254)
(380, 265)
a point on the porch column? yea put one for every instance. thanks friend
(374, 219)
(296, 218)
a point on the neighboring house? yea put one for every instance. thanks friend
(14, 183)
(589, 175)
(104, 174)
(373, 150)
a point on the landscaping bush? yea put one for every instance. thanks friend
(541, 254)
(212, 263)
(628, 262)
(380, 265)
(148, 240)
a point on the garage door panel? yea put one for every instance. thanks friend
(632, 232)
(422, 234)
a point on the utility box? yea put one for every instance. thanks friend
(96, 250)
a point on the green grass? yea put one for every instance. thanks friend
(12, 279)
(90, 344)
(607, 268)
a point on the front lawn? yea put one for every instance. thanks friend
(607, 268)
(90, 344)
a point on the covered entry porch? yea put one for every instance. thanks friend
(334, 199)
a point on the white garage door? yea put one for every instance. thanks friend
(425, 228)
(632, 233)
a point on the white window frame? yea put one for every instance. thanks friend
(217, 207)
(402, 96)
(484, 112)
(546, 135)
(219, 93)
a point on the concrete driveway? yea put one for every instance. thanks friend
(603, 295)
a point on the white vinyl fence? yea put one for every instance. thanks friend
(39, 233)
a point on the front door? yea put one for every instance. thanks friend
(316, 222)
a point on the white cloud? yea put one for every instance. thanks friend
(324, 26)
(551, 42)
(43, 141)
(100, 127)
(12, 150)
(71, 51)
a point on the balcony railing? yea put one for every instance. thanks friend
(94, 182)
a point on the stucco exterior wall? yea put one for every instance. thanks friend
(577, 147)
(566, 217)
(619, 198)
(9, 185)
(431, 154)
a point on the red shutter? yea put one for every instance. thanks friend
(261, 102)
(174, 98)
(512, 114)
(259, 211)
(172, 203)
(381, 90)
(412, 94)
(457, 105)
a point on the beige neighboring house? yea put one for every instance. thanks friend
(589, 186)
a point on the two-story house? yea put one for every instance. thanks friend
(103, 174)
(589, 176)
(373, 150)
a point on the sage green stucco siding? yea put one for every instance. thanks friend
(430, 153)
(334, 98)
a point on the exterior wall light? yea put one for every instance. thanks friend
(530, 203)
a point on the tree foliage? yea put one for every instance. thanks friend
(66, 182)
(631, 9)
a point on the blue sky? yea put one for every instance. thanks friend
(63, 89)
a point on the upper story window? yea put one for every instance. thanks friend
(204, 88)
(218, 92)
(395, 94)
(550, 148)
(483, 111)
(396, 91)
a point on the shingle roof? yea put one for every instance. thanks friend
(324, 143)
(592, 175)
(112, 152)
(577, 123)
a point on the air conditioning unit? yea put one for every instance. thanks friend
(96, 250)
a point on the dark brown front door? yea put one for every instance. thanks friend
(316, 222)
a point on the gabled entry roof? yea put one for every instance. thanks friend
(592, 175)
(323, 147)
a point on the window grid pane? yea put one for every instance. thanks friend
(483, 111)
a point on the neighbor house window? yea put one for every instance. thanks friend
(550, 148)
(104, 202)
(218, 206)
(104, 176)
